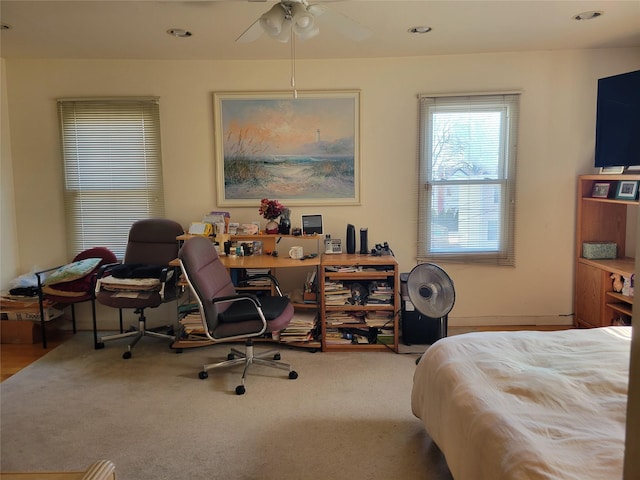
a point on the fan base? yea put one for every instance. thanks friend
(418, 329)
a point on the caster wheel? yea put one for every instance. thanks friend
(276, 356)
(231, 356)
(293, 375)
(202, 375)
(240, 390)
(126, 355)
(178, 350)
(99, 346)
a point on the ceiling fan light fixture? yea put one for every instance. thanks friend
(273, 21)
(301, 17)
(285, 32)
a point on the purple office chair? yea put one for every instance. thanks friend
(151, 245)
(228, 315)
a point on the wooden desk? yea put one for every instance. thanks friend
(259, 261)
(266, 261)
(269, 242)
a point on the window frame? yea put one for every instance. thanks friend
(112, 161)
(505, 177)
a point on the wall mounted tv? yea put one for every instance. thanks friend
(618, 121)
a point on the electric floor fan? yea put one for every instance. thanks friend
(432, 294)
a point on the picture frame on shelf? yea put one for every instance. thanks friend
(627, 190)
(601, 190)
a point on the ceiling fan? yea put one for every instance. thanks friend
(299, 17)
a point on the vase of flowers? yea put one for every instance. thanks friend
(270, 210)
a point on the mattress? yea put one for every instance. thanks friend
(527, 405)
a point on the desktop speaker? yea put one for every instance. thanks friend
(351, 239)
(364, 249)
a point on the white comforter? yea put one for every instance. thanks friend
(527, 405)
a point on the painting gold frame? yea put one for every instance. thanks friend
(302, 151)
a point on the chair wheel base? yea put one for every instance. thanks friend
(293, 375)
(126, 355)
(240, 390)
(99, 346)
(202, 375)
(277, 356)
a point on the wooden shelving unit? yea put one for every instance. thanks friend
(365, 270)
(601, 220)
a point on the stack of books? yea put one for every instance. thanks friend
(301, 327)
(192, 323)
(257, 282)
(337, 337)
(345, 319)
(380, 293)
(335, 293)
(379, 319)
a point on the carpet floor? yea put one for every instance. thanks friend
(347, 416)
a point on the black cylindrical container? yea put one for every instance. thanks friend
(351, 239)
(364, 249)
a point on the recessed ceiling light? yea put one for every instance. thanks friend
(588, 15)
(419, 29)
(179, 32)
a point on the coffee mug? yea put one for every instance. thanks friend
(296, 253)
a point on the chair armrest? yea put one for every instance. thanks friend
(272, 278)
(49, 269)
(247, 297)
(240, 296)
(102, 272)
(101, 470)
(40, 279)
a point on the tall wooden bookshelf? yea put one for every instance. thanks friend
(602, 220)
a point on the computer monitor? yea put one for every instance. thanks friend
(312, 224)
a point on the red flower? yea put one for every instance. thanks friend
(270, 209)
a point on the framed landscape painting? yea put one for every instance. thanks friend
(301, 151)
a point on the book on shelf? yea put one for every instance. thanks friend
(192, 323)
(301, 326)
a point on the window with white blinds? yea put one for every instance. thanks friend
(112, 167)
(467, 178)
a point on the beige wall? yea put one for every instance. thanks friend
(556, 143)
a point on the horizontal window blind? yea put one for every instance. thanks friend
(467, 178)
(112, 166)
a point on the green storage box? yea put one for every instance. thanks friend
(599, 250)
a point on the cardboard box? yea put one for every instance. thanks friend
(31, 315)
(599, 250)
(19, 331)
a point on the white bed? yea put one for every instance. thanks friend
(527, 405)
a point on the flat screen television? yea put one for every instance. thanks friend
(618, 121)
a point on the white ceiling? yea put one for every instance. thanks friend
(128, 29)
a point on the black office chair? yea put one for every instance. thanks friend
(143, 280)
(230, 315)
